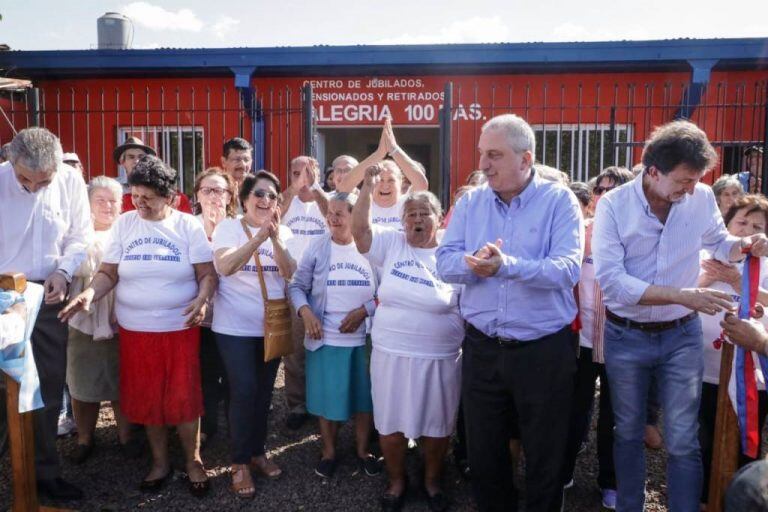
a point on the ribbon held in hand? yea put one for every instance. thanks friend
(744, 371)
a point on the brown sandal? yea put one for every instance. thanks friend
(266, 467)
(242, 483)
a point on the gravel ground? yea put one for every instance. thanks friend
(110, 482)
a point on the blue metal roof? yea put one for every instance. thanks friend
(751, 53)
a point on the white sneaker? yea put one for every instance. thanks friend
(67, 426)
(609, 498)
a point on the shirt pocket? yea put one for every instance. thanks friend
(54, 222)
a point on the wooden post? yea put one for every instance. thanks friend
(22, 445)
(21, 435)
(725, 453)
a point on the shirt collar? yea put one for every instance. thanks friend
(637, 184)
(523, 197)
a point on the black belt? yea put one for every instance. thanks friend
(648, 326)
(504, 342)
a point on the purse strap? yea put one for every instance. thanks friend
(258, 262)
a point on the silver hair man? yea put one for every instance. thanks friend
(519, 133)
(37, 149)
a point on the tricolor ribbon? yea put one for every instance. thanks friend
(744, 367)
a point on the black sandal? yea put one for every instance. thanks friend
(157, 483)
(392, 502)
(198, 489)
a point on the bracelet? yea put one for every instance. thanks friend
(395, 150)
(64, 273)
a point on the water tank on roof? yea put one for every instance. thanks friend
(115, 31)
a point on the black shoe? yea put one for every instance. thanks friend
(369, 465)
(199, 489)
(295, 420)
(437, 502)
(59, 489)
(133, 449)
(325, 468)
(156, 484)
(81, 453)
(392, 503)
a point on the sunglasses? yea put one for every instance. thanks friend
(601, 190)
(265, 193)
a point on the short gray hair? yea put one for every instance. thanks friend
(391, 166)
(38, 148)
(348, 198)
(519, 133)
(425, 197)
(340, 158)
(108, 183)
(724, 182)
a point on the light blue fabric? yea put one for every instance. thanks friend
(309, 282)
(17, 360)
(542, 232)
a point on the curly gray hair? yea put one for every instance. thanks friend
(37, 148)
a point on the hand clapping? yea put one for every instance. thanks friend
(487, 260)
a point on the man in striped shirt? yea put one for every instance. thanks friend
(646, 242)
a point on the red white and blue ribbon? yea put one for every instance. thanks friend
(744, 364)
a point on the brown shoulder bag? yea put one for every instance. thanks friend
(278, 341)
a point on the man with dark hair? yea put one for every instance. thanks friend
(237, 160)
(752, 177)
(646, 243)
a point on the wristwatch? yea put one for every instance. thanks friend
(64, 273)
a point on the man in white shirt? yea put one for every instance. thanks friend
(646, 242)
(45, 228)
(303, 208)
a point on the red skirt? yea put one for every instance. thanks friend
(160, 376)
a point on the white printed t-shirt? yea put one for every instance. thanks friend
(389, 217)
(418, 314)
(306, 222)
(349, 285)
(238, 308)
(710, 326)
(156, 277)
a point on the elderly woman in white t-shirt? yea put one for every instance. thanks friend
(417, 334)
(747, 216)
(388, 198)
(93, 354)
(215, 200)
(333, 292)
(238, 320)
(160, 264)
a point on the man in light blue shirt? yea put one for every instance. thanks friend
(646, 242)
(516, 243)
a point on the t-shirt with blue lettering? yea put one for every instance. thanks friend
(350, 284)
(238, 308)
(418, 313)
(306, 223)
(155, 269)
(390, 216)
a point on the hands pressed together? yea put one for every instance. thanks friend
(487, 260)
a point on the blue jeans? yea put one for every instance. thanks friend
(250, 392)
(674, 357)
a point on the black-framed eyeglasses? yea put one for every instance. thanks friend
(265, 193)
(601, 190)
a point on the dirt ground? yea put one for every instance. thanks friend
(111, 483)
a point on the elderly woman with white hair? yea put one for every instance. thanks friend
(388, 198)
(417, 334)
(727, 191)
(93, 351)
